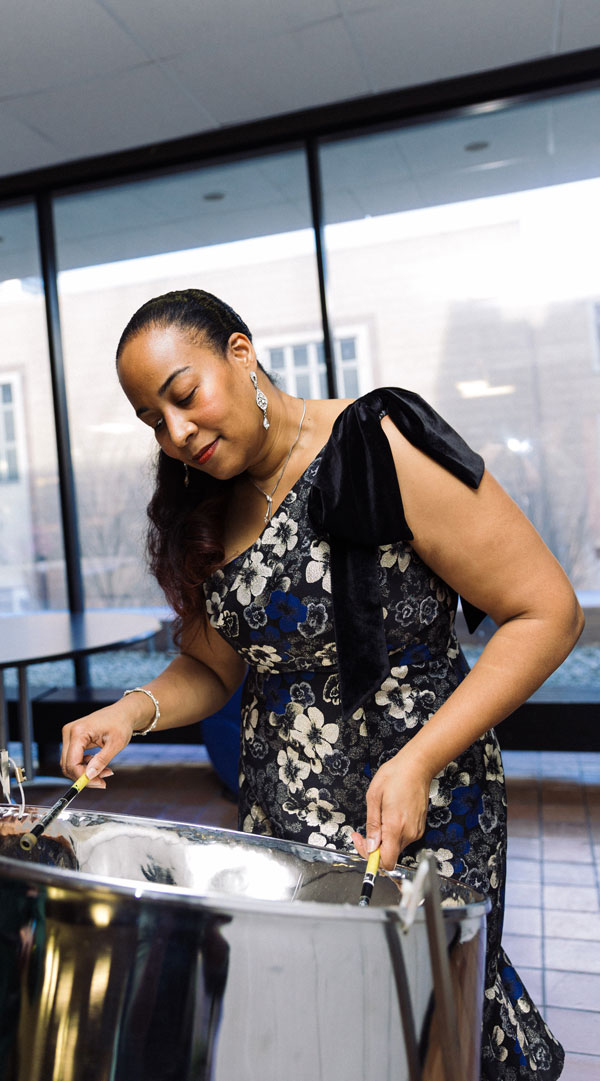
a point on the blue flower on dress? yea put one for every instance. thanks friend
(468, 804)
(270, 634)
(452, 838)
(518, 1050)
(511, 982)
(287, 610)
(277, 694)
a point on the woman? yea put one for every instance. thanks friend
(327, 541)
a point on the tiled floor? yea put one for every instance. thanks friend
(552, 929)
(552, 926)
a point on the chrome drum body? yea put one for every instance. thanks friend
(140, 950)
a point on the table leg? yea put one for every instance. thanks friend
(26, 723)
(3, 715)
(26, 736)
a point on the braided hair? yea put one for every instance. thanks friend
(184, 538)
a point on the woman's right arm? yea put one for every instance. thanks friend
(196, 684)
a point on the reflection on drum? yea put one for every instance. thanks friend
(141, 950)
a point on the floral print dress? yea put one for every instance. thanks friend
(304, 772)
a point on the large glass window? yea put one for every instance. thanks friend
(298, 364)
(242, 231)
(468, 249)
(32, 573)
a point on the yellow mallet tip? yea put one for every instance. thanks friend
(28, 841)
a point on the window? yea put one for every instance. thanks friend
(32, 568)
(9, 466)
(241, 231)
(481, 296)
(299, 365)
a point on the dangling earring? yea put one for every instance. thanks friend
(261, 399)
(186, 475)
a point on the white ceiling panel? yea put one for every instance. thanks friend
(246, 185)
(576, 123)
(519, 175)
(85, 77)
(382, 198)
(347, 6)
(18, 230)
(292, 71)
(411, 43)
(356, 161)
(165, 29)
(132, 108)
(91, 214)
(288, 173)
(512, 134)
(58, 43)
(580, 25)
(121, 242)
(22, 148)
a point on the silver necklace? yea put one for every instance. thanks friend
(269, 497)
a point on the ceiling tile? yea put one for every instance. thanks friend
(132, 108)
(21, 148)
(94, 213)
(437, 189)
(576, 121)
(55, 44)
(438, 147)
(408, 44)
(351, 162)
(166, 29)
(244, 185)
(293, 71)
(580, 26)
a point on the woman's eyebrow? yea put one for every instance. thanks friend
(163, 389)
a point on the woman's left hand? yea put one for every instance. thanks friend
(397, 800)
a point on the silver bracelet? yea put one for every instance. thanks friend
(154, 721)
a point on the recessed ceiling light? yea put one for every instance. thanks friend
(479, 145)
(214, 196)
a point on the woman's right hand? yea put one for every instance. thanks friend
(110, 729)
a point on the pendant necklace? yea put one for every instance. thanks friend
(269, 497)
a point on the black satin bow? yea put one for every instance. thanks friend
(356, 500)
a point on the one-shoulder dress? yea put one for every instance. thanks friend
(306, 761)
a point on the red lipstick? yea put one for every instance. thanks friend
(206, 453)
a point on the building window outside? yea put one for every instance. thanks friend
(9, 456)
(298, 363)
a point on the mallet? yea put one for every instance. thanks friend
(29, 840)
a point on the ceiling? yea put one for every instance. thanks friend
(80, 78)
(85, 77)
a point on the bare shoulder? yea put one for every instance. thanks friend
(476, 539)
(322, 414)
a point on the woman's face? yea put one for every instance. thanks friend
(200, 404)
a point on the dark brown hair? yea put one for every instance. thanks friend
(184, 539)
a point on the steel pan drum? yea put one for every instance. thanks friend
(134, 949)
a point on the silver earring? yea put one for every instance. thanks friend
(261, 399)
(186, 475)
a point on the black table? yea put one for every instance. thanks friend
(54, 636)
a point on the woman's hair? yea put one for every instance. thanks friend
(184, 540)
(195, 312)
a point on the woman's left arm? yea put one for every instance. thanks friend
(480, 543)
